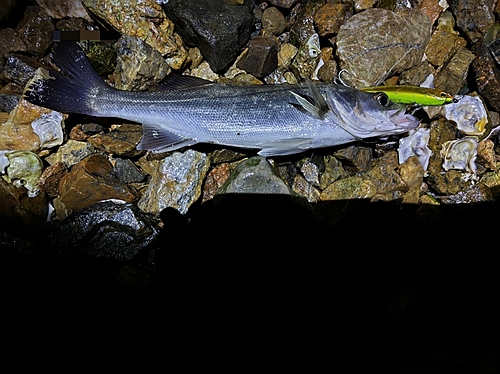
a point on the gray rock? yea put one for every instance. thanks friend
(139, 66)
(376, 43)
(217, 28)
(8, 102)
(254, 176)
(273, 20)
(474, 17)
(106, 229)
(176, 182)
(126, 171)
(36, 29)
(19, 69)
(487, 74)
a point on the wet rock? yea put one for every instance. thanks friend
(333, 171)
(305, 189)
(311, 171)
(83, 131)
(217, 28)
(285, 56)
(145, 20)
(261, 57)
(71, 153)
(102, 55)
(283, 3)
(329, 18)
(307, 58)
(254, 176)
(93, 180)
(126, 171)
(302, 18)
(360, 5)
(444, 42)
(487, 74)
(486, 154)
(412, 174)
(176, 182)
(328, 72)
(36, 30)
(215, 179)
(50, 178)
(106, 229)
(432, 8)
(10, 42)
(478, 193)
(376, 43)
(454, 75)
(59, 9)
(355, 158)
(204, 71)
(19, 69)
(121, 140)
(492, 181)
(18, 208)
(139, 66)
(273, 20)
(417, 74)
(22, 169)
(387, 183)
(354, 187)
(474, 17)
(7, 103)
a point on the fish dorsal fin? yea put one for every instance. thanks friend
(313, 104)
(176, 81)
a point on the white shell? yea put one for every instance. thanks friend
(24, 168)
(469, 113)
(460, 154)
(49, 129)
(415, 144)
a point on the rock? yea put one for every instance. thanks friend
(7, 104)
(302, 19)
(106, 229)
(82, 132)
(71, 153)
(478, 193)
(354, 187)
(417, 74)
(474, 17)
(50, 178)
(217, 28)
(283, 3)
(333, 171)
(355, 158)
(102, 55)
(273, 20)
(261, 58)
(486, 154)
(10, 42)
(328, 72)
(444, 42)
(305, 189)
(203, 71)
(454, 75)
(329, 18)
(360, 5)
(487, 74)
(285, 56)
(311, 171)
(121, 140)
(146, 20)
(254, 176)
(386, 182)
(432, 8)
(376, 43)
(36, 30)
(126, 171)
(90, 181)
(17, 208)
(139, 66)
(176, 182)
(59, 9)
(215, 179)
(412, 174)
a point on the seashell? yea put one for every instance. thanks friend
(22, 168)
(460, 154)
(469, 113)
(416, 145)
(49, 128)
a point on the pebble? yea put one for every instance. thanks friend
(215, 179)
(126, 171)
(412, 174)
(273, 20)
(93, 180)
(305, 189)
(329, 18)
(176, 182)
(261, 58)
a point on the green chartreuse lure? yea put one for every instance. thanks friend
(413, 95)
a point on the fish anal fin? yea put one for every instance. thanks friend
(158, 139)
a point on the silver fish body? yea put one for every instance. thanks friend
(275, 119)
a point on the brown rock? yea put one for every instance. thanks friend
(486, 154)
(273, 20)
(329, 18)
(50, 178)
(412, 173)
(454, 75)
(487, 75)
(92, 180)
(215, 179)
(36, 30)
(17, 207)
(121, 140)
(261, 58)
(431, 8)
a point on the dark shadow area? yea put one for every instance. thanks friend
(367, 286)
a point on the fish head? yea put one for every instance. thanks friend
(366, 115)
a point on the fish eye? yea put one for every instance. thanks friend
(443, 94)
(382, 99)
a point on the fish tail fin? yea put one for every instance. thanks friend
(70, 90)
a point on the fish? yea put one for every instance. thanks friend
(413, 95)
(274, 120)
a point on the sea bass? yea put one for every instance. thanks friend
(273, 119)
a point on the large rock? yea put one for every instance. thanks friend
(217, 28)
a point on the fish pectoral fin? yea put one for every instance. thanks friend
(284, 147)
(307, 106)
(158, 139)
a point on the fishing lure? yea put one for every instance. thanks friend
(413, 95)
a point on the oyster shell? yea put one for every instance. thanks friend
(460, 154)
(49, 128)
(415, 144)
(22, 168)
(469, 113)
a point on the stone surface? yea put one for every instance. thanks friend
(71, 153)
(474, 17)
(273, 20)
(59, 9)
(121, 140)
(487, 74)
(305, 189)
(217, 28)
(215, 179)
(139, 66)
(454, 75)
(254, 176)
(36, 29)
(126, 171)
(261, 57)
(90, 181)
(412, 173)
(176, 182)
(307, 58)
(355, 158)
(376, 43)
(146, 20)
(10, 42)
(432, 8)
(329, 18)
(50, 178)
(106, 229)
(17, 208)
